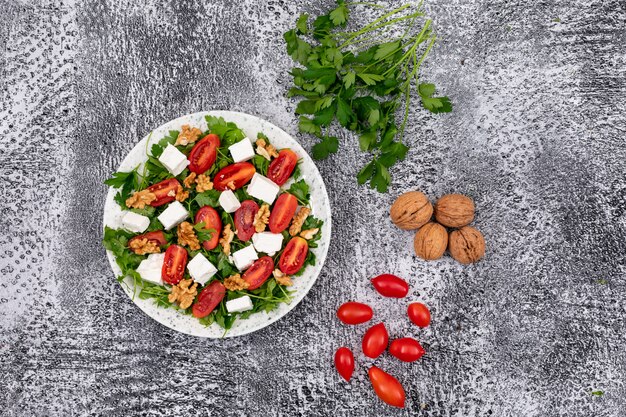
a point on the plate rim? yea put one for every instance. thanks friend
(320, 257)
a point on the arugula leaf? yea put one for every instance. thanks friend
(208, 198)
(327, 145)
(433, 104)
(300, 190)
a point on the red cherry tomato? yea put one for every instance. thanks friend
(282, 213)
(259, 272)
(203, 155)
(157, 237)
(419, 314)
(294, 255)
(406, 349)
(387, 387)
(208, 299)
(233, 176)
(174, 264)
(282, 167)
(165, 191)
(212, 220)
(375, 341)
(390, 286)
(244, 219)
(344, 362)
(354, 313)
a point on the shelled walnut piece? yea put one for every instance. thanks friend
(140, 199)
(236, 283)
(184, 293)
(265, 150)
(282, 278)
(203, 183)
(298, 221)
(187, 236)
(188, 135)
(262, 218)
(144, 246)
(226, 239)
(181, 194)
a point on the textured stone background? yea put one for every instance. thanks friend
(536, 138)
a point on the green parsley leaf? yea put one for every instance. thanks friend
(597, 393)
(228, 132)
(208, 198)
(385, 49)
(326, 146)
(261, 164)
(297, 48)
(301, 24)
(300, 190)
(349, 79)
(434, 104)
(127, 182)
(345, 115)
(306, 125)
(370, 79)
(339, 16)
(202, 233)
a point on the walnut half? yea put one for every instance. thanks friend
(235, 283)
(187, 236)
(262, 218)
(183, 293)
(298, 221)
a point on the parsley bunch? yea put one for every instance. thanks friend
(360, 81)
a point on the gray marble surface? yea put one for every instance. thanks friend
(536, 138)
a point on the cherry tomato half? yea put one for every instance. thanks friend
(174, 264)
(282, 213)
(387, 387)
(157, 237)
(406, 349)
(344, 362)
(212, 220)
(293, 256)
(233, 176)
(375, 341)
(203, 155)
(259, 272)
(354, 313)
(282, 167)
(390, 286)
(208, 299)
(244, 219)
(165, 191)
(419, 314)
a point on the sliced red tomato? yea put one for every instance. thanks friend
(282, 167)
(174, 264)
(259, 272)
(244, 219)
(233, 176)
(387, 387)
(203, 155)
(406, 349)
(344, 362)
(212, 220)
(375, 340)
(208, 299)
(157, 237)
(165, 191)
(282, 213)
(294, 255)
(419, 314)
(391, 286)
(354, 313)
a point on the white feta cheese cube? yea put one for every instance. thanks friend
(135, 222)
(229, 201)
(267, 242)
(173, 215)
(245, 257)
(173, 160)
(263, 188)
(239, 305)
(200, 269)
(150, 268)
(242, 150)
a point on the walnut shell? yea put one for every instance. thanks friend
(411, 210)
(431, 241)
(454, 210)
(466, 245)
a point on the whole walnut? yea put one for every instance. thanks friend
(466, 245)
(454, 210)
(431, 241)
(411, 210)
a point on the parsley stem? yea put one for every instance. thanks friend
(364, 3)
(368, 27)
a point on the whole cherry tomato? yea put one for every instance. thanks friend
(244, 219)
(294, 255)
(157, 237)
(174, 264)
(233, 176)
(203, 155)
(375, 341)
(344, 362)
(165, 191)
(354, 313)
(212, 220)
(406, 349)
(419, 314)
(387, 387)
(390, 286)
(282, 213)
(259, 272)
(208, 299)
(281, 168)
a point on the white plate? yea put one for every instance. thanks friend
(320, 205)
